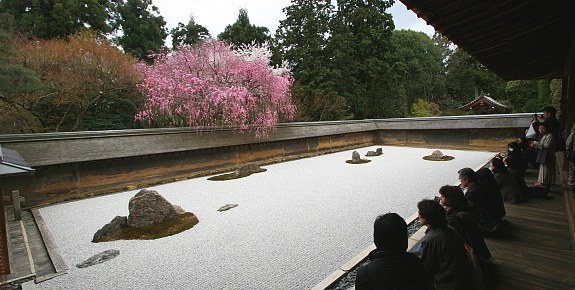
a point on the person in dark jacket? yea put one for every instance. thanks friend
(390, 266)
(442, 250)
(461, 217)
(484, 196)
(510, 189)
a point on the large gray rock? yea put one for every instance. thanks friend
(148, 207)
(99, 258)
(247, 168)
(437, 154)
(355, 157)
(111, 229)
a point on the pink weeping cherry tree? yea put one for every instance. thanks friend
(212, 84)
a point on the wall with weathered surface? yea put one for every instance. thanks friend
(80, 164)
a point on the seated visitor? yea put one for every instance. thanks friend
(516, 155)
(463, 219)
(484, 196)
(442, 250)
(390, 266)
(510, 190)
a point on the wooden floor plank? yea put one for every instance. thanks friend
(536, 250)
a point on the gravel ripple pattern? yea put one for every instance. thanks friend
(295, 224)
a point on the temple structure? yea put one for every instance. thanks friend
(485, 104)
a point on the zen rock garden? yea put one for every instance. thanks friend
(438, 156)
(151, 217)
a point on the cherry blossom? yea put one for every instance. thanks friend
(211, 84)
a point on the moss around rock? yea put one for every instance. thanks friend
(442, 158)
(233, 175)
(162, 229)
(361, 161)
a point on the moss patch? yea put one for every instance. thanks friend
(444, 158)
(230, 176)
(166, 228)
(361, 161)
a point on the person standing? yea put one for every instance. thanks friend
(390, 266)
(545, 156)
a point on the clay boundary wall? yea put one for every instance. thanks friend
(75, 165)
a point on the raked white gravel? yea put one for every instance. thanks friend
(295, 224)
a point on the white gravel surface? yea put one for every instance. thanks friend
(295, 224)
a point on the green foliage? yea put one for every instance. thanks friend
(522, 95)
(466, 78)
(361, 54)
(423, 108)
(419, 62)
(168, 227)
(243, 33)
(317, 104)
(47, 19)
(16, 83)
(301, 38)
(143, 28)
(190, 34)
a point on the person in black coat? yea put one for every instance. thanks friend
(390, 266)
(484, 196)
(442, 250)
(462, 218)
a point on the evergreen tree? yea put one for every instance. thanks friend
(422, 65)
(47, 19)
(467, 78)
(191, 33)
(143, 29)
(362, 54)
(301, 40)
(243, 33)
(16, 82)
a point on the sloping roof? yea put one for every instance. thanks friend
(529, 39)
(484, 99)
(12, 164)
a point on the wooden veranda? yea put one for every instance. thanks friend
(536, 251)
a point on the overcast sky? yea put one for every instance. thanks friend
(215, 15)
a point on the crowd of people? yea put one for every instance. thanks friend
(453, 252)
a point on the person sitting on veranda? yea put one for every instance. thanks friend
(442, 250)
(485, 197)
(462, 218)
(390, 266)
(511, 190)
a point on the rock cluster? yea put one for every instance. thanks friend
(146, 208)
